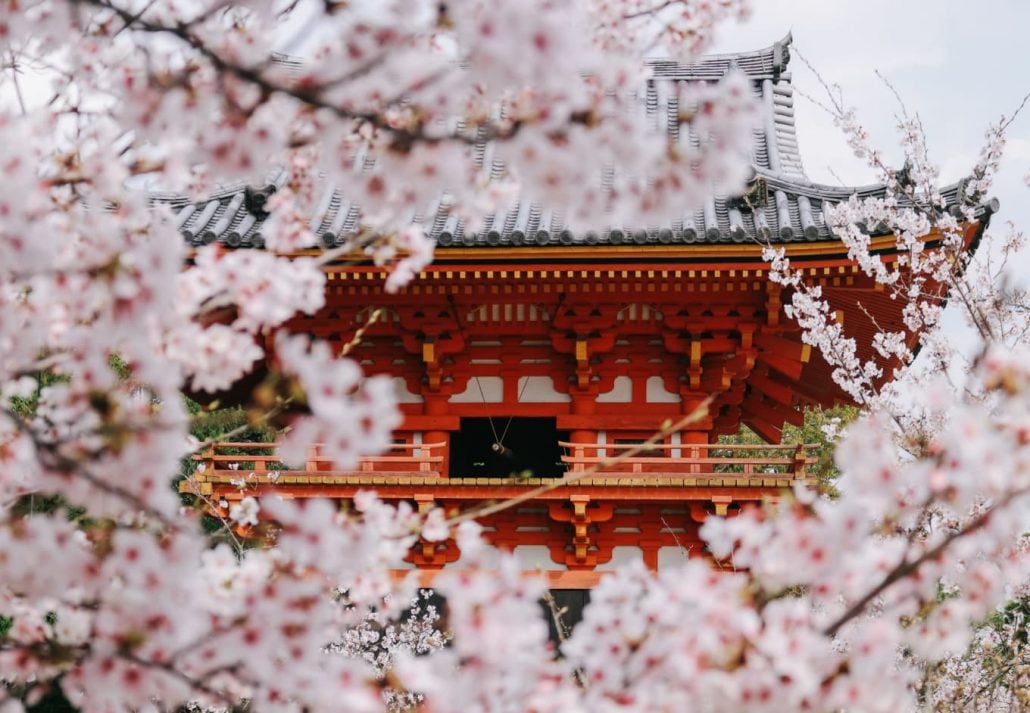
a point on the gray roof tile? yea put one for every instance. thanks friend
(789, 207)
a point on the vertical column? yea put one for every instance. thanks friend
(436, 405)
(443, 437)
(697, 436)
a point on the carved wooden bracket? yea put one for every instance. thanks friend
(584, 332)
(431, 555)
(580, 516)
(432, 334)
(719, 505)
(722, 504)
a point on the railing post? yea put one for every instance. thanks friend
(577, 454)
(209, 459)
(442, 450)
(424, 459)
(800, 459)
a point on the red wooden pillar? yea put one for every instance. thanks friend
(696, 437)
(443, 437)
(436, 405)
(584, 403)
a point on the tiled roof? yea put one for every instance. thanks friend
(782, 205)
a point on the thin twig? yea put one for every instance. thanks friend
(696, 415)
(15, 68)
(906, 568)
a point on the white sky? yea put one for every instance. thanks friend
(959, 64)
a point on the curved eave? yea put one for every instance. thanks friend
(790, 211)
(819, 254)
(766, 63)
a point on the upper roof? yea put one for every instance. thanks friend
(780, 206)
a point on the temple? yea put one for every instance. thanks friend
(528, 357)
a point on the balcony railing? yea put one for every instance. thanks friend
(672, 459)
(262, 459)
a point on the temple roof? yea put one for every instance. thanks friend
(781, 206)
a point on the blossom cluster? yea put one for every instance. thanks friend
(110, 589)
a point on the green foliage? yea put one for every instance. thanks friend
(214, 425)
(26, 407)
(1015, 616)
(119, 366)
(824, 470)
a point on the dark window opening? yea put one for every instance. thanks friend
(527, 444)
(568, 605)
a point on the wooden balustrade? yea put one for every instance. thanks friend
(262, 459)
(688, 458)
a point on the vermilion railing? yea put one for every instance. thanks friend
(261, 458)
(615, 459)
(688, 458)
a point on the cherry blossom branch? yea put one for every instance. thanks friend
(908, 568)
(404, 137)
(58, 461)
(197, 684)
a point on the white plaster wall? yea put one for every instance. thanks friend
(536, 557)
(672, 557)
(493, 391)
(658, 394)
(621, 556)
(540, 390)
(491, 558)
(404, 394)
(621, 393)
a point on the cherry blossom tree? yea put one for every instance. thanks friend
(993, 674)
(114, 594)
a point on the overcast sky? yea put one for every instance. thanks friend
(958, 64)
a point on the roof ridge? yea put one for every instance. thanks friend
(782, 44)
(765, 63)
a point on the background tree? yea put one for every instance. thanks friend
(821, 429)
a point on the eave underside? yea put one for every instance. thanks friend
(711, 327)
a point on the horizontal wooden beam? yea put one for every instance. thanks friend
(769, 432)
(775, 390)
(772, 412)
(650, 421)
(644, 489)
(789, 368)
(792, 349)
(556, 579)
(435, 422)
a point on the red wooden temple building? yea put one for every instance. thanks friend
(528, 355)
